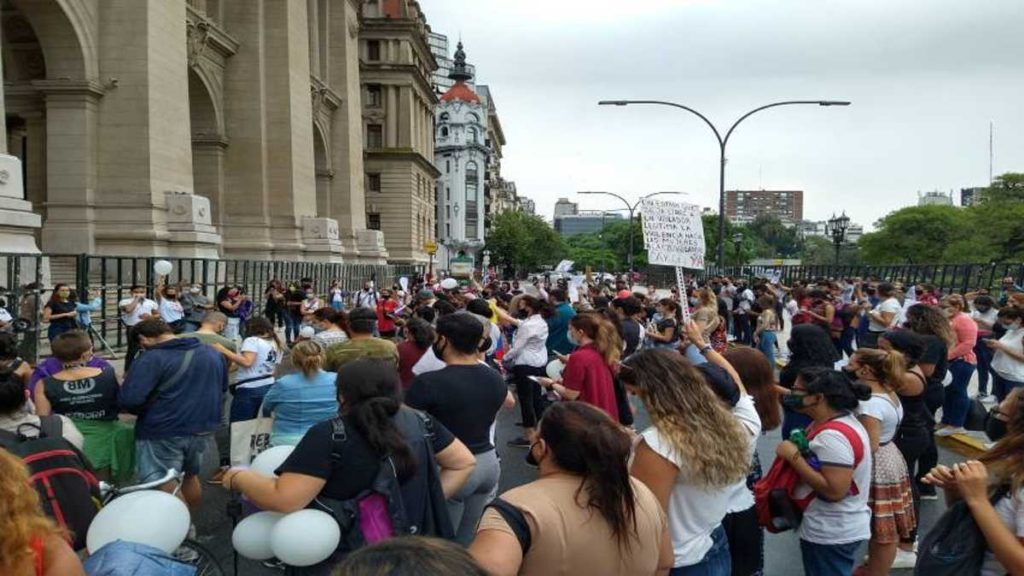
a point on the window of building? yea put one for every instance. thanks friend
(374, 136)
(472, 199)
(444, 131)
(447, 166)
(473, 136)
(373, 221)
(474, 119)
(448, 230)
(373, 182)
(444, 117)
(374, 95)
(373, 50)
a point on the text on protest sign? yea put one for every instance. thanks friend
(673, 233)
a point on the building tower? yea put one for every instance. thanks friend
(461, 154)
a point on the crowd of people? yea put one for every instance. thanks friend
(640, 408)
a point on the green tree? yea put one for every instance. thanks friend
(781, 241)
(819, 250)
(916, 235)
(522, 243)
(1008, 187)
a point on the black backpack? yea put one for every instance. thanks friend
(955, 546)
(61, 474)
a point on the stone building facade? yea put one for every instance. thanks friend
(229, 128)
(398, 112)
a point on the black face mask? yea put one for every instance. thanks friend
(523, 314)
(850, 373)
(486, 344)
(995, 428)
(439, 349)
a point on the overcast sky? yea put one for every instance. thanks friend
(925, 77)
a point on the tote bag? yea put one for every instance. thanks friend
(249, 438)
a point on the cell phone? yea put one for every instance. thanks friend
(534, 378)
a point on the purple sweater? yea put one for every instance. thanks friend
(51, 366)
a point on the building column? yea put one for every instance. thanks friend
(18, 223)
(35, 172)
(208, 158)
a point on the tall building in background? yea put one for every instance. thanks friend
(398, 112)
(934, 198)
(584, 222)
(971, 196)
(747, 205)
(528, 205)
(565, 208)
(442, 55)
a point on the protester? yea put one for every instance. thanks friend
(196, 306)
(986, 316)
(766, 333)
(584, 514)
(331, 323)
(294, 297)
(362, 323)
(88, 396)
(259, 356)
(527, 357)
(60, 312)
(630, 311)
(133, 311)
(558, 324)
(465, 397)
(929, 322)
(12, 363)
(962, 364)
(337, 296)
(274, 307)
(93, 303)
(333, 468)
(366, 297)
(410, 555)
(483, 310)
(419, 335)
(176, 390)
(171, 310)
(300, 400)
(664, 333)
(32, 544)
(229, 302)
(809, 346)
(210, 327)
(1008, 361)
(589, 373)
(691, 463)
(891, 500)
(838, 520)
(386, 307)
(882, 317)
(17, 414)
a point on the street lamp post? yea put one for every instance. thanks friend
(737, 244)
(632, 208)
(836, 227)
(722, 142)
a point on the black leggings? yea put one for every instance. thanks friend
(531, 397)
(914, 444)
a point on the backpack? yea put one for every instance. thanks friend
(778, 509)
(955, 546)
(61, 474)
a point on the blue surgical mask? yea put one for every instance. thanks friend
(572, 338)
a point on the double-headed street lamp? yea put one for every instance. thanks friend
(632, 208)
(836, 227)
(722, 142)
(737, 244)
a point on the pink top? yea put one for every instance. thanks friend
(966, 337)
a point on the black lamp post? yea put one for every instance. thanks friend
(836, 228)
(737, 244)
(722, 143)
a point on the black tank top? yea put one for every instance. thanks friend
(93, 398)
(915, 409)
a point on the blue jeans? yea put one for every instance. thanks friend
(292, 324)
(716, 562)
(1001, 386)
(246, 402)
(154, 457)
(828, 559)
(767, 346)
(984, 355)
(954, 408)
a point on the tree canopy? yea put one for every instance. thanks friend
(521, 243)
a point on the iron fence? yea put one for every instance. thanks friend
(27, 280)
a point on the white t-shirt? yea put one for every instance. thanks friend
(261, 373)
(693, 512)
(1011, 512)
(132, 318)
(1005, 365)
(171, 310)
(740, 497)
(848, 520)
(429, 362)
(989, 318)
(890, 305)
(881, 408)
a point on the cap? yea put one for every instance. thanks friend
(623, 294)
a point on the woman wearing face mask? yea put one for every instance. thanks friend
(891, 500)
(588, 375)
(528, 356)
(838, 519)
(665, 331)
(1008, 361)
(986, 316)
(962, 363)
(809, 346)
(60, 311)
(229, 299)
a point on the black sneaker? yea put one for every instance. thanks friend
(926, 492)
(520, 442)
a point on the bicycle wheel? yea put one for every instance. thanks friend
(196, 555)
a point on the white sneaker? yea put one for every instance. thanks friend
(904, 559)
(949, 431)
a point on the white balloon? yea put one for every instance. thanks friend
(269, 460)
(162, 267)
(554, 369)
(251, 537)
(149, 517)
(305, 538)
(449, 284)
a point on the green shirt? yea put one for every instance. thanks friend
(340, 354)
(208, 338)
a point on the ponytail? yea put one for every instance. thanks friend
(308, 356)
(887, 366)
(599, 329)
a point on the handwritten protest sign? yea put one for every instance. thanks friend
(673, 233)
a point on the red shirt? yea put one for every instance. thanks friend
(587, 373)
(385, 308)
(408, 355)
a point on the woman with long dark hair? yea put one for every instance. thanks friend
(257, 359)
(665, 331)
(691, 457)
(810, 346)
(586, 514)
(419, 335)
(331, 466)
(60, 311)
(929, 323)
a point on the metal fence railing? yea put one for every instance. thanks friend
(27, 280)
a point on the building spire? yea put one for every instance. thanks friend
(459, 71)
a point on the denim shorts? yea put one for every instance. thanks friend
(183, 453)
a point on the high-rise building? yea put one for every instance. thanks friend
(934, 198)
(971, 196)
(748, 205)
(442, 55)
(565, 208)
(528, 205)
(172, 128)
(398, 118)
(585, 222)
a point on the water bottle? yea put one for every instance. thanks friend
(799, 437)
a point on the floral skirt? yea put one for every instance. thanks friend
(891, 499)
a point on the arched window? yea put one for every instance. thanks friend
(473, 119)
(444, 131)
(472, 138)
(444, 117)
